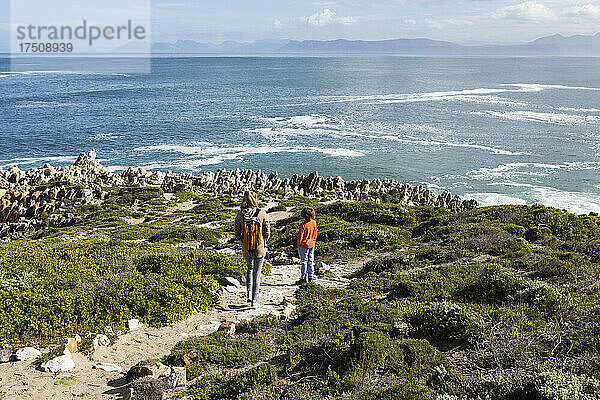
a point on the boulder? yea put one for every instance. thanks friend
(133, 324)
(61, 363)
(27, 353)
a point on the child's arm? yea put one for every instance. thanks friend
(300, 234)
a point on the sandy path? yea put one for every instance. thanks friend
(22, 381)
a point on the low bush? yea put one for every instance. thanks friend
(219, 349)
(442, 320)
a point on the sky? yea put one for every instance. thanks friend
(461, 21)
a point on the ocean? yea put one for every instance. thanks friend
(499, 130)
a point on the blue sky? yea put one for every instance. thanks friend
(463, 21)
(457, 20)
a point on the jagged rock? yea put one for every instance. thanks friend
(108, 367)
(21, 204)
(6, 353)
(27, 353)
(61, 363)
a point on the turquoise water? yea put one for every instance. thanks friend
(522, 130)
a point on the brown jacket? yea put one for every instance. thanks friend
(239, 230)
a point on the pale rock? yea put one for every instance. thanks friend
(133, 324)
(101, 340)
(230, 289)
(108, 367)
(177, 377)
(61, 363)
(27, 353)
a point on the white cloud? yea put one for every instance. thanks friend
(439, 23)
(277, 24)
(588, 11)
(327, 17)
(528, 11)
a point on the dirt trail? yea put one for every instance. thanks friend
(22, 381)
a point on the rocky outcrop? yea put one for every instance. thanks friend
(36, 198)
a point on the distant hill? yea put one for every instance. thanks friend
(555, 45)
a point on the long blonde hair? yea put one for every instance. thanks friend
(249, 200)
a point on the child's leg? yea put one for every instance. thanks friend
(303, 260)
(310, 258)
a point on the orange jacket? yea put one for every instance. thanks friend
(307, 235)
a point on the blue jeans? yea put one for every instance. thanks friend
(253, 276)
(307, 259)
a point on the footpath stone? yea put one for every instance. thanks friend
(229, 281)
(61, 363)
(108, 367)
(133, 324)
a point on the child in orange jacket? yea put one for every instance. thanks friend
(307, 237)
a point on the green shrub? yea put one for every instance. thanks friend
(371, 213)
(375, 352)
(407, 390)
(560, 386)
(216, 387)
(207, 236)
(54, 289)
(219, 349)
(278, 208)
(440, 320)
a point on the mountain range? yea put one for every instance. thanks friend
(555, 45)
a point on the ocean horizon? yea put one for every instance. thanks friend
(498, 130)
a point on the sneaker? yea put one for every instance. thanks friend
(312, 279)
(300, 282)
